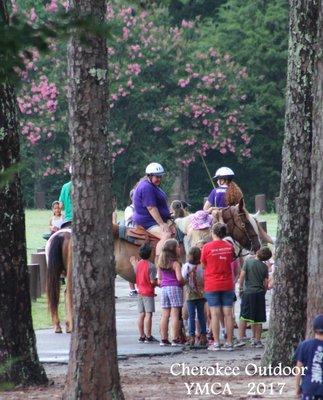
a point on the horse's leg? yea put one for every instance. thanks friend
(69, 294)
(56, 322)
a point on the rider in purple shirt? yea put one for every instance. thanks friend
(150, 205)
(149, 195)
(226, 194)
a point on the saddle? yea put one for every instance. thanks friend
(137, 236)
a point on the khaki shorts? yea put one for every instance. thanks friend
(146, 304)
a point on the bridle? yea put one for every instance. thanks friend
(245, 224)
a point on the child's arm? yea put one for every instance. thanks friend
(152, 275)
(159, 277)
(241, 280)
(266, 280)
(298, 377)
(178, 272)
(52, 228)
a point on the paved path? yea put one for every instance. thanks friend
(55, 347)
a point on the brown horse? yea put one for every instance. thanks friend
(241, 226)
(60, 263)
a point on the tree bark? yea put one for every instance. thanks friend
(93, 367)
(179, 189)
(315, 250)
(288, 308)
(19, 362)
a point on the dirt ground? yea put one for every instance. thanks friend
(150, 378)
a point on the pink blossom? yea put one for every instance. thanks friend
(187, 24)
(134, 68)
(135, 48)
(126, 33)
(33, 15)
(52, 6)
(246, 138)
(246, 153)
(183, 82)
(130, 84)
(157, 129)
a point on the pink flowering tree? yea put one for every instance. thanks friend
(170, 99)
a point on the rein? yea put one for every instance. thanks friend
(242, 229)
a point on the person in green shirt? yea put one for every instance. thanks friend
(253, 284)
(65, 199)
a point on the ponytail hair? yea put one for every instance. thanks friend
(233, 194)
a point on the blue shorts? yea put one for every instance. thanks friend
(219, 299)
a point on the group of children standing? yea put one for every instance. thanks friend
(187, 282)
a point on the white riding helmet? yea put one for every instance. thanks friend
(224, 172)
(155, 169)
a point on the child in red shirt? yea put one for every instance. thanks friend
(146, 280)
(216, 259)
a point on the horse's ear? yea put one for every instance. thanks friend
(241, 205)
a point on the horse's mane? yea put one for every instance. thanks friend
(199, 235)
(183, 223)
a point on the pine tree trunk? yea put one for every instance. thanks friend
(93, 367)
(179, 189)
(19, 362)
(315, 250)
(288, 308)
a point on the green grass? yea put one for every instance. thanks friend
(271, 220)
(40, 314)
(37, 223)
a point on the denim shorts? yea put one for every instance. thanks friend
(219, 299)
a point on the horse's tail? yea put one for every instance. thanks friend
(54, 269)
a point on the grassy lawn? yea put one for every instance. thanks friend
(37, 223)
(271, 220)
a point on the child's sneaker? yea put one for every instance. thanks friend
(258, 344)
(203, 340)
(133, 293)
(142, 339)
(240, 343)
(214, 347)
(209, 335)
(191, 341)
(164, 342)
(177, 342)
(151, 339)
(228, 347)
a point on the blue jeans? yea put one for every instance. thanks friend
(197, 305)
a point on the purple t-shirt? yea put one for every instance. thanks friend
(217, 197)
(149, 195)
(169, 278)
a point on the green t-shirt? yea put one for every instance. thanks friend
(256, 272)
(66, 198)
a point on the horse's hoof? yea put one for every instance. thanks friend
(58, 330)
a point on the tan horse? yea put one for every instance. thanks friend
(242, 227)
(60, 263)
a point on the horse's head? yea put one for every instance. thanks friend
(241, 226)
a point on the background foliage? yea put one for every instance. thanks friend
(188, 78)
